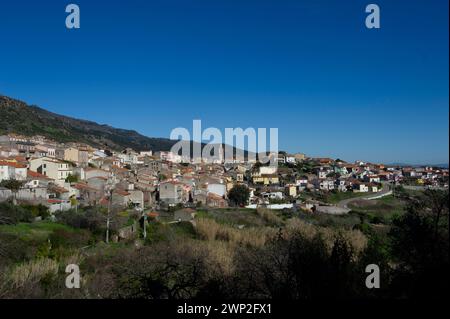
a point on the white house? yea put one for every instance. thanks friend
(341, 185)
(326, 184)
(51, 167)
(272, 195)
(12, 170)
(290, 159)
(359, 187)
(96, 172)
(372, 178)
(173, 192)
(301, 182)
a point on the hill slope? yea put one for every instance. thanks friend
(20, 118)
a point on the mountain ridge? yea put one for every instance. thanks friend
(21, 118)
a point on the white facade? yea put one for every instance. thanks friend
(267, 170)
(51, 168)
(12, 171)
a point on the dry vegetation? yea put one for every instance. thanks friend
(269, 216)
(230, 254)
(32, 272)
(209, 229)
(355, 238)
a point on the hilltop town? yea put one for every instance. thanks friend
(71, 175)
(155, 225)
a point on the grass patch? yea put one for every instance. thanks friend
(234, 217)
(157, 231)
(34, 231)
(380, 210)
(335, 198)
(346, 221)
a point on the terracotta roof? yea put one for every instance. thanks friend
(104, 201)
(152, 214)
(384, 173)
(19, 158)
(58, 189)
(121, 192)
(99, 177)
(172, 182)
(89, 169)
(80, 186)
(120, 169)
(12, 164)
(214, 196)
(34, 174)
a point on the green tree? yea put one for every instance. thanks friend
(420, 245)
(14, 186)
(72, 178)
(239, 195)
(305, 167)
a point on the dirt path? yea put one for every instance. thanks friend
(384, 192)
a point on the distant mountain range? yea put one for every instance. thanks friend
(419, 165)
(18, 117)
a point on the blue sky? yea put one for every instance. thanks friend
(310, 68)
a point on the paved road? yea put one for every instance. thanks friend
(385, 191)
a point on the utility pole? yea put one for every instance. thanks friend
(109, 188)
(109, 215)
(393, 188)
(145, 226)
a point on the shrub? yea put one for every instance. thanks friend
(239, 195)
(269, 216)
(210, 230)
(66, 239)
(90, 219)
(11, 214)
(32, 272)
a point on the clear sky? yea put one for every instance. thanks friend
(311, 68)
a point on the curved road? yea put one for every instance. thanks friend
(385, 191)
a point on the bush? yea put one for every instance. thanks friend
(91, 220)
(37, 210)
(269, 216)
(11, 214)
(239, 195)
(209, 229)
(62, 238)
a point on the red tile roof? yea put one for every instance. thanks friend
(121, 192)
(12, 164)
(34, 174)
(81, 186)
